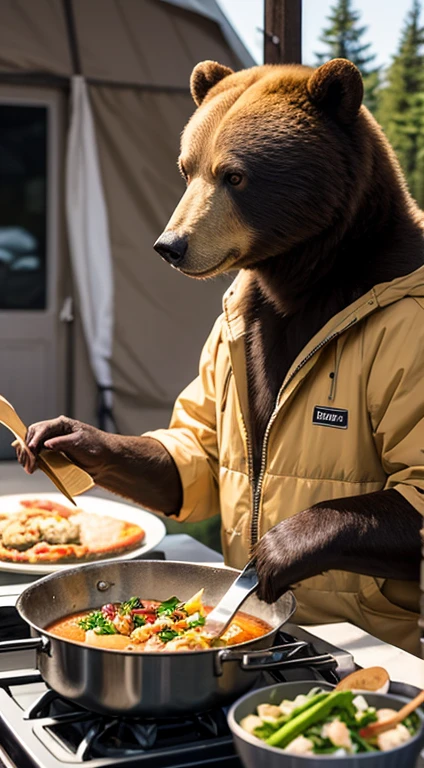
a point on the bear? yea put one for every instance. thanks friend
(305, 424)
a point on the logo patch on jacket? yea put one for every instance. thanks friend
(330, 417)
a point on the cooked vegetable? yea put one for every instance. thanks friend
(324, 723)
(109, 611)
(196, 620)
(129, 605)
(139, 621)
(168, 606)
(313, 714)
(99, 622)
(194, 605)
(167, 635)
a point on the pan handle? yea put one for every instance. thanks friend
(25, 644)
(279, 657)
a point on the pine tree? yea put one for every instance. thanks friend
(343, 39)
(401, 107)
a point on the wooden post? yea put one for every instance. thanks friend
(283, 32)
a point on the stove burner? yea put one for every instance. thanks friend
(119, 737)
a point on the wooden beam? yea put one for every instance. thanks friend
(283, 32)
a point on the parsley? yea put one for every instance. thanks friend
(99, 622)
(196, 620)
(167, 634)
(138, 619)
(129, 605)
(167, 607)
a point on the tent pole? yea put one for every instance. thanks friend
(283, 32)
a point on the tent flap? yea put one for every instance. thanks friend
(88, 233)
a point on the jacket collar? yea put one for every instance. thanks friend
(381, 295)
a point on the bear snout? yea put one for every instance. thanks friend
(172, 247)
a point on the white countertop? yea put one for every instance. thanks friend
(368, 651)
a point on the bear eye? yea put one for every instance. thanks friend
(234, 178)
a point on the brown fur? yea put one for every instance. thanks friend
(322, 214)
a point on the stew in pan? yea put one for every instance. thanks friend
(149, 625)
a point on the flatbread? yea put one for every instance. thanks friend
(98, 536)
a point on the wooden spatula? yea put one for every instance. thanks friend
(373, 679)
(66, 476)
(391, 722)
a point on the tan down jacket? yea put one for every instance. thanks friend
(349, 420)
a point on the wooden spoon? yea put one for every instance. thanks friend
(375, 679)
(385, 725)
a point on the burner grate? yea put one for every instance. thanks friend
(87, 736)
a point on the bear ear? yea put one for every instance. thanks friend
(205, 75)
(337, 88)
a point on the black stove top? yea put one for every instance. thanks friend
(39, 729)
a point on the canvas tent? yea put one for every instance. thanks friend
(75, 235)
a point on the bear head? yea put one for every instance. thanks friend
(273, 157)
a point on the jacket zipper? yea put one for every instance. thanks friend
(225, 389)
(257, 486)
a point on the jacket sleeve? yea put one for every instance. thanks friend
(191, 438)
(396, 401)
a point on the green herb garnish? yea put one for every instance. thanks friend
(167, 634)
(168, 606)
(97, 620)
(196, 620)
(129, 605)
(138, 619)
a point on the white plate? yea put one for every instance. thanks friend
(152, 525)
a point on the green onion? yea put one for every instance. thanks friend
(296, 725)
(364, 746)
(310, 702)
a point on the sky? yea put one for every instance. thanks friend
(384, 19)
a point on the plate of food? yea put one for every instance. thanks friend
(40, 534)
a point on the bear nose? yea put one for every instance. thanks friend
(171, 247)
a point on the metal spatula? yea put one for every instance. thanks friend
(219, 618)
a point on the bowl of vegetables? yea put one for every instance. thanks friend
(302, 725)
